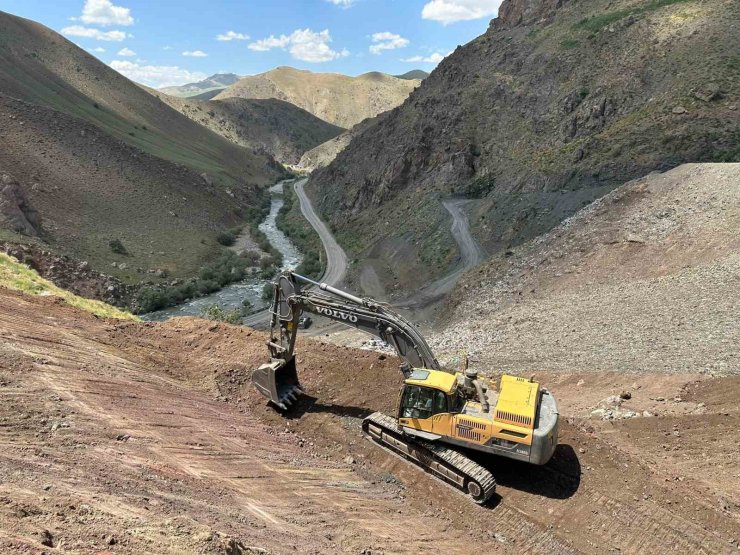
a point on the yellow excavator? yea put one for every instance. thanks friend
(440, 415)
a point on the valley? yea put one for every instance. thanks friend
(550, 212)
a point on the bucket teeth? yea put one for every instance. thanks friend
(289, 398)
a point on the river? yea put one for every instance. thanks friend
(232, 296)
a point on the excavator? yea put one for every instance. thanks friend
(441, 414)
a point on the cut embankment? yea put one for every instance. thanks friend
(130, 424)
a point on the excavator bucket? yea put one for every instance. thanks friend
(278, 381)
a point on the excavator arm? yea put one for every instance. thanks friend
(278, 380)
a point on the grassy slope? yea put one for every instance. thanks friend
(339, 99)
(19, 277)
(100, 159)
(39, 66)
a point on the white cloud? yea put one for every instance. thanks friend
(97, 50)
(126, 52)
(303, 44)
(269, 43)
(194, 54)
(103, 12)
(97, 34)
(343, 3)
(231, 35)
(387, 41)
(156, 76)
(434, 58)
(167, 48)
(450, 11)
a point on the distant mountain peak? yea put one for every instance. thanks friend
(215, 81)
(414, 75)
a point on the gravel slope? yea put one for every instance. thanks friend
(645, 279)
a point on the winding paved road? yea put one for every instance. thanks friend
(471, 254)
(336, 258)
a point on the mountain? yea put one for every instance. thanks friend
(89, 159)
(339, 99)
(282, 129)
(557, 104)
(414, 75)
(325, 153)
(219, 81)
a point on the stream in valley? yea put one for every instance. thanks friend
(232, 296)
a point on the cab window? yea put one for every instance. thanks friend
(422, 402)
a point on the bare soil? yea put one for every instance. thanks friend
(133, 438)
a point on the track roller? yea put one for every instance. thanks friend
(445, 463)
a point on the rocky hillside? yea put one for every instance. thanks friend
(556, 104)
(95, 167)
(644, 279)
(215, 82)
(325, 153)
(279, 128)
(339, 99)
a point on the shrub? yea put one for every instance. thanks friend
(228, 268)
(311, 266)
(117, 247)
(268, 290)
(216, 312)
(226, 238)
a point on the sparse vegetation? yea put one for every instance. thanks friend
(218, 313)
(117, 247)
(596, 23)
(19, 277)
(228, 268)
(227, 238)
(569, 44)
(290, 221)
(480, 186)
(267, 291)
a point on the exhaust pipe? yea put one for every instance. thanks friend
(278, 381)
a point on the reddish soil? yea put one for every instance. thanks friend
(148, 438)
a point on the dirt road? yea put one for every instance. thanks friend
(149, 438)
(471, 254)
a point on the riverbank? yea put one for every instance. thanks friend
(294, 224)
(246, 293)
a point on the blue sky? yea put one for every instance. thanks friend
(165, 42)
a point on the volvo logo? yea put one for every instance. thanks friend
(338, 314)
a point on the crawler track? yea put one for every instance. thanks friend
(446, 464)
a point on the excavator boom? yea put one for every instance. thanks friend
(278, 380)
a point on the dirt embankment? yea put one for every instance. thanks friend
(133, 438)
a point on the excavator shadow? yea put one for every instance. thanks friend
(558, 479)
(309, 404)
